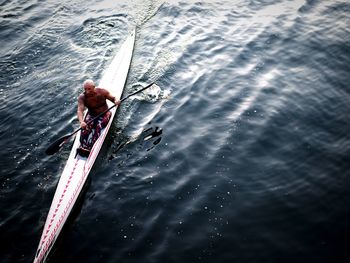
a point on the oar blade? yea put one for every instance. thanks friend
(57, 145)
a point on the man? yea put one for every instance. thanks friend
(94, 99)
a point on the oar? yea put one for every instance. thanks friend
(57, 145)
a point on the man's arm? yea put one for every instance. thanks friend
(80, 112)
(111, 98)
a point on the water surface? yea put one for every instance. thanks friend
(241, 155)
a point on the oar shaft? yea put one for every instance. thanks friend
(54, 147)
(138, 91)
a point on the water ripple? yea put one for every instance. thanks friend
(239, 153)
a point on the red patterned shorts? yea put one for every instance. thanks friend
(90, 134)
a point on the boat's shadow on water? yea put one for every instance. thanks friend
(148, 139)
(58, 251)
(113, 145)
(57, 255)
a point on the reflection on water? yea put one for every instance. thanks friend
(237, 153)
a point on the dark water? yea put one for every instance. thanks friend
(242, 157)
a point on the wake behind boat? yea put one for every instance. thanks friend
(77, 167)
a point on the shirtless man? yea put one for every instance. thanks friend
(94, 99)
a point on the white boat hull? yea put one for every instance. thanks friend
(78, 168)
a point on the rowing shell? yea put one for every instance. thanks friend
(78, 168)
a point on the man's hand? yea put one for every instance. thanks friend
(117, 102)
(83, 125)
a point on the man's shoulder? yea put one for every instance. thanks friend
(81, 96)
(101, 91)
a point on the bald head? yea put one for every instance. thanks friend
(89, 83)
(89, 86)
